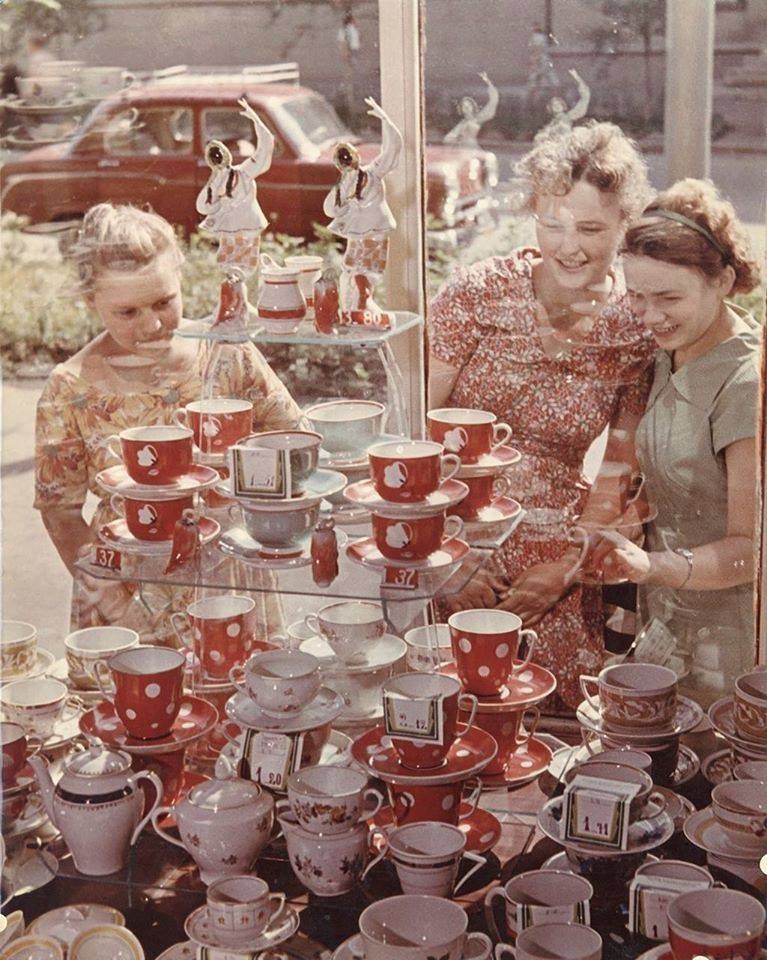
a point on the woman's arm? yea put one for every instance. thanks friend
(391, 141)
(68, 531)
(262, 159)
(442, 377)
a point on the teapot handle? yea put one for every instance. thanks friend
(155, 781)
(160, 812)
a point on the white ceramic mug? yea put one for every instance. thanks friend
(540, 896)
(349, 626)
(565, 941)
(280, 681)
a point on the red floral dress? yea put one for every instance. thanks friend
(485, 321)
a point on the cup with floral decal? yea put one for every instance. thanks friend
(406, 471)
(217, 423)
(86, 646)
(327, 798)
(281, 682)
(153, 455)
(350, 627)
(469, 433)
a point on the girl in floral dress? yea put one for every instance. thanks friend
(545, 339)
(134, 373)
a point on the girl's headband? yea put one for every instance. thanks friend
(691, 224)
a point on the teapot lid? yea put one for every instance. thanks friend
(225, 790)
(98, 761)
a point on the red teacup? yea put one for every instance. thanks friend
(469, 433)
(154, 455)
(718, 924)
(152, 519)
(441, 803)
(505, 728)
(416, 691)
(485, 645)
(415, 538)
(216, 424)
(409, 470)
(16, 743)
(483, 492)
(147, 688)
(223, 629)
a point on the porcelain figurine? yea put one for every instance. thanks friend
(97, 806)
(360, 214)
(466, 131)
(563, 116)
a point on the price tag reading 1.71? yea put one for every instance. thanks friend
(107, 558)
(597, 811)
(270, 759)
(419, 720)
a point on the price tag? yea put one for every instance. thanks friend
(400, 578)
(107, 557)
(529, 914)
(271, 757)
(597, 811)
(417, 720)
(649, 899)
(655, 643)
(260, 472)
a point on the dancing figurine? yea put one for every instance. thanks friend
(562, 117)
(362, 216)
(229, 198)
(466, 131)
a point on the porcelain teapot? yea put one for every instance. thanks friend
(224, 823)
(97, 805)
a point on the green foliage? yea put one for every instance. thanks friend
(46, 19)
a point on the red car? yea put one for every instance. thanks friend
(146, 146)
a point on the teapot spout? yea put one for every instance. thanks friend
(40, 766)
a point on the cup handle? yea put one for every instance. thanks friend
(479, 862)
(639, 479)
(155, 781)
(659, 800)
(98, 666)
(282, 807)
(312, 622)
(758, 826)
(179, 417)
(501, 435)
(235, 671)
(128, 79)
(584, 680)
(34, 744)
(471, 700)
(588, 741)
(529, 728)
(478, 946)
(495, 893)
(234, 513)
(449, 466)
(381, 855)
(155, 816)
(377, 801)
(282, 904)
(231, 737)
(533, 639)
(117, 503)
(185, 620)
(504, 950)
(456, 524)
(501, 486)
(473, 798)
(72, 705)
(114, 447)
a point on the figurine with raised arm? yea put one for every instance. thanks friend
(466, 131)
(563, 118)
(361, 214)
(229, 200)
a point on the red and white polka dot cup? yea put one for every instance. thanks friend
(404, 471)
(415, 538)
(509, 730)
(438, 802)
(485, 645)
(469, 433)
(153, 455)
(148, 685)
(223, 630)
(151, 519)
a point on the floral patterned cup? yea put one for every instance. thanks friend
(18, 648)
(633, 695)
(751, 706)
(327, 864)
(242, 907)
(330, 799)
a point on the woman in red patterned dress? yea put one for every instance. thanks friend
(546, 340)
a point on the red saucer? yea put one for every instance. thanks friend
(528, 686)
(447, 494)
(117, 534)
(504, 508)
(366, 552)
(482, 828)
(196, 717)
(527, 763)
(470, 753)
(117, 480)
(490, 463)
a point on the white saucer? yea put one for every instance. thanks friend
(447, 495)
(702, 830)
(321, 484)
(64, 923)
(237, 542)
(365, 552)
(117, 535)
(688, 715)
(106, 940)
(200, 928)
(325, 707)
(33, 816)
(354, 949)
(382, 652)
(44, 659)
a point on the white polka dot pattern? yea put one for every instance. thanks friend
(152, 690)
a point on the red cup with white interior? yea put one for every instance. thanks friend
(153, 455)
(469, 433)
(415, 538)
(509, 732)
(17, 745)
(483, 492)
(223, 629)
(152, 519)
(437, 802)
(485, 646)
(148, 684)
(217, 423)
(718, 924)
(404, 471)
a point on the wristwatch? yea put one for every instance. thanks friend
(687, 554)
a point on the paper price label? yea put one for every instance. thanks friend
(528, 915)
(261, 472)
(400, 578)
(649, 899)
(416, 720)
(597, 811)
(655, 643)
(271, 756)
(107, 558)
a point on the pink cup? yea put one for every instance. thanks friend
(152, 520)
(483, 492)
(148, 683)
(223, 629)
(216, 424)
(415, 538)
(469, 433)
(409, 470)
(154, 455)
(485, 645)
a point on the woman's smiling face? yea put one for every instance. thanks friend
(578, 235)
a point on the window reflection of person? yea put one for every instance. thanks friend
(696, 441)
(466, 131)
(563, 117)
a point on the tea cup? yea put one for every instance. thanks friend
(104, 81)
(405, 471)
(422, 703)
(349, 626)
(440, 802)
(751, 706)
(633, 695)
(419, 927)
(84, 647)
(624, 774)
(347, 426)
(540, 896)
(153, 455)
(218, 423)
(223, 630)
(415, 538)
(280, 532)
(740, 809)
(280, 681)
(240, 908)
(148, 683)
(330, 799)
(427, 857)
(750, 770)
(327, 864)
(309, 270)
(617, 485)
(149, 519)
(566, 941)
(37, 704)
(511, 731)
(469, 433)
(676, 870)
(716, 923)
(17, 745)
(484, 491)
(485, 645)
(44, 90)
(429, 647)
(664, 755)
(301, 446)
(18, 648)
(626, 755)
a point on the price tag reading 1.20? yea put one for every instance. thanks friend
(597, 811)
(270, 759)
(418, 720)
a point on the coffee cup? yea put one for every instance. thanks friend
(626, 755)
(469, 433)
(43, 91)
(280, 681)
(485, 645)
(751, 706)
(419, 927)
(441, 802)
(511, 731)
(330, 799)
(405, 471)
(309, 269)
(633, 695)
(241, 908)
(664, 754)
(602, 770)
(429, 647)
(484, 491)
(84, 647)
(327, 864)
(750, 770)
(415, 538)
(282, 532)
(349, 626)
(18, 648)
(717, 924)
(148, 683)
(540, 896)
(347, 426)
(301, 446)
(420, 703)
(17, 746)
(153, 455)
(216, 424)
(37, 704)
(566, 941)
(223, 631)
(152, 520)
(427, 857)
(740, 809)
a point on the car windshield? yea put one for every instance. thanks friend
(317, 120)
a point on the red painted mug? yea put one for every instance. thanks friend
(415, 538)
(153, 455)
(483, 492)
(148, 684)
(440, 802)
(223, 630)
(485, 645)
(469, 433)
(217, 423)
(405, 471)
(152, 520)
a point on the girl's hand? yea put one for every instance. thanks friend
(480, 593)
(626, 561)
(485, 79)
(535, 591)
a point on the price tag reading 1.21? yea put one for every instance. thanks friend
(418, 720)
(597, 811)
(270, 759)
